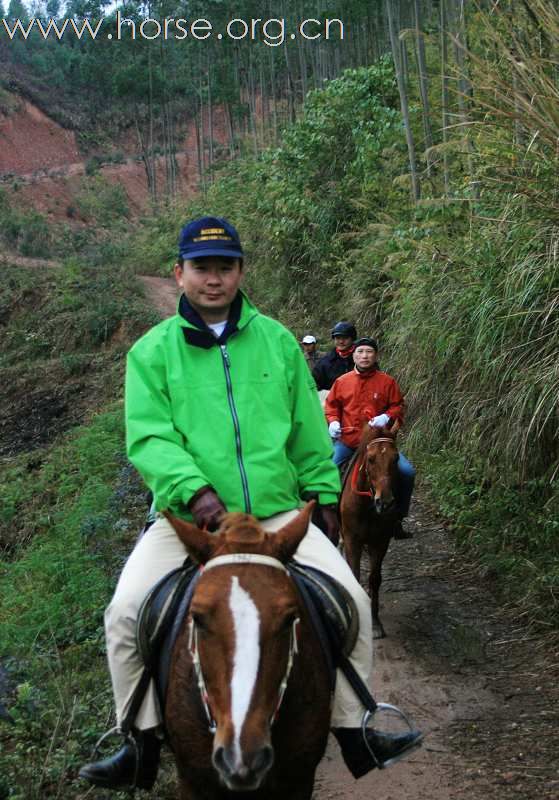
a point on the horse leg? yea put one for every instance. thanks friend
(377, 550)
(304, 790)
(189, 790)
(353, 547)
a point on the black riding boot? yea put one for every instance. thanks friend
(399, 531)
(134, 766)
(380, 750)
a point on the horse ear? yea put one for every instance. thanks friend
(199, 543)
(286, 540)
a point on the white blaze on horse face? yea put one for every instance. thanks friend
(246, 624)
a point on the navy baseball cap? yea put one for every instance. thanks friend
(344, 328)
(209, 236)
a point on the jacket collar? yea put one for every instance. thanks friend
(197, 333)
(367, 374)
(345, 353)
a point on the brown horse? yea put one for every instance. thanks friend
(248, 703)
(367, 508)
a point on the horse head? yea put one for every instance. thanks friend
(378, 470)
(242, 639)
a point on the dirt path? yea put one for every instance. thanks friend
(475, 680)
(14, 260)
(162, 293)
(414, 593)
(481, 686)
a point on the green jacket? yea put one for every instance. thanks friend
(243, 416)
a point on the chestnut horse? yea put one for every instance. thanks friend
(368, 510)
(248, 700)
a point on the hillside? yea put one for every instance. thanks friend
(45, 167)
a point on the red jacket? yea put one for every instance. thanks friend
(357, 397)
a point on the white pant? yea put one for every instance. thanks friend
(157, 553)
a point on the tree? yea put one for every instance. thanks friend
(400, 77)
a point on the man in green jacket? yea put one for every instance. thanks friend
(222, 414)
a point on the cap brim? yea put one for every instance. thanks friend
(211, 251)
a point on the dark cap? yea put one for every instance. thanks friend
(366, 341)
(209, 236)
(344, 329)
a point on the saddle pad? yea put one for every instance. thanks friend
(336, 607)
(158, 610)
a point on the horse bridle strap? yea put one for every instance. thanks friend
(359, 466)
(354, 475)
(244, 558)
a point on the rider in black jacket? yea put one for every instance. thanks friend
(339, 360)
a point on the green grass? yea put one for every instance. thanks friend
(510, 530)
(70, 512)
(69, 311)
(84, 507)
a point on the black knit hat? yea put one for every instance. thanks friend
(367, 341)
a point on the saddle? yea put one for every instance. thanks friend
(330, 607)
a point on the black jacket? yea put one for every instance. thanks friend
(330, 367)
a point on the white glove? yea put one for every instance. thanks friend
(335, 429)
(380, 421)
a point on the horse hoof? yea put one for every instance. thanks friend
(378, 630)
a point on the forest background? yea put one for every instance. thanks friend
(405, 178)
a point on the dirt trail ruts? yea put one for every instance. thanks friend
(434, 696)
(11, 260)
(478, 682)
(162, 292)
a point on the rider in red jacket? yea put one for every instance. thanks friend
(359, 396)
(368, 395)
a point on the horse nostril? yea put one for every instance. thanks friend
(262, 760)
(220, 762)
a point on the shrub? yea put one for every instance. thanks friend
(102, 202)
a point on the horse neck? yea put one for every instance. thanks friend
(362, 483)
(309, 679)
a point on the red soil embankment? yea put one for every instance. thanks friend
(30, 141)
(41, 165)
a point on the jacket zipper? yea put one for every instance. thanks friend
(244, 480)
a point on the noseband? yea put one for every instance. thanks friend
(360, 467)
(239, 558)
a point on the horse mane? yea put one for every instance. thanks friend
(369, 434)
(239, 528)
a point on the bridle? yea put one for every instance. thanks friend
(218, 561)
(359, 467)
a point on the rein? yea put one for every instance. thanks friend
(358, 467)
(239, 558)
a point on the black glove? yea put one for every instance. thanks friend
(206, 508)
(328, 522)
(325, 517)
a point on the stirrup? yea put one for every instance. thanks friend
(369, 715)
(128, 738)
